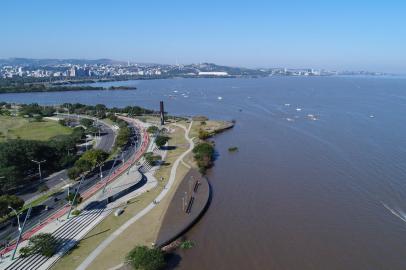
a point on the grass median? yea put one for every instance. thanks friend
(144, 231)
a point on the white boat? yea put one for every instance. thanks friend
(219, 98)
(298, 109)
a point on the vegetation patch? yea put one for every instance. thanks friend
(204, 156)
(151, 158)
(187, 244)
(87, 162)
(233, 149)
(144, 258)
(43, 243)
(161, 140)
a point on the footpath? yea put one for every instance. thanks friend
(53, 221)
(96, 252)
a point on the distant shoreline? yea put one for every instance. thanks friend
(41, 88)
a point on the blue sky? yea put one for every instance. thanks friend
(321, 34)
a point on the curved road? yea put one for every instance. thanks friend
(86, 263)
(57, 201)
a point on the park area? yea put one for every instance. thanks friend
(12, 127)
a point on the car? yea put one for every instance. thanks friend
(119, 212)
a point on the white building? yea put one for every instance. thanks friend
(213, 73)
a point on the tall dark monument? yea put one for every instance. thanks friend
(161, 112)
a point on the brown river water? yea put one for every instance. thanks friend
(319, 181)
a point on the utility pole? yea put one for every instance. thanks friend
(100, 165)
(74, 197)
(39, 167)
(21, 229)
(108, 177)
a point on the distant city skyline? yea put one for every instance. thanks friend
(342, 35)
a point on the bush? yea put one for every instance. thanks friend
(233, 149)
(151, 158)
(152, 129)
(76, 212)
(43, 243)
(144, 258)
(187, 244)
(203, 134)
(161, 140)
(204, 155)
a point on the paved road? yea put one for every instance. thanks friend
(58, 201)
(92, 256)
(108, 133)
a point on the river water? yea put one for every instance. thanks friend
(319, 181)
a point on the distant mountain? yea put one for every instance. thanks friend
(210, 67)
(54, 62)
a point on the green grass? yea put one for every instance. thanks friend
(22, 128)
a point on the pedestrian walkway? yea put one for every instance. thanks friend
(87, 219)
(92, 256)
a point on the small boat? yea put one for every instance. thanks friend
(298, 109)
(372, 116)
(219, 98)
(287, 104)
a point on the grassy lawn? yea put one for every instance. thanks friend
(18, 127)
(142, 232)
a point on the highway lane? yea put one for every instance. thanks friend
(106, 143)
(58, 201)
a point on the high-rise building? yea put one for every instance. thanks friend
(72, 72)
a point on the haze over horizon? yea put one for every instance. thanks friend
(342, 35)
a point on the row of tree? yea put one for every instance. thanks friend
(87, 162)
(16, 159)
(101, 111)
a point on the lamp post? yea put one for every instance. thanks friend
(39, 167)
(74, 197)
(100, 165)
(20, 229)
(17, 215)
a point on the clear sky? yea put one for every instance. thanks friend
(346, 34)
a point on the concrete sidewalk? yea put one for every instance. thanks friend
(87, 262)
(55, 221)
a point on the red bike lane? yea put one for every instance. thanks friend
(91, 191)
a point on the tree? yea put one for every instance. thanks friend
(123, 136)
(152, 129)
(144, 258)
(77, 200)
(43, 243)
(203, 134)
(151, 158)
(161, 140)
(9, 200)
(86, 122)
(204, 155)
(94, 156)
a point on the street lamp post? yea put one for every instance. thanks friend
(100, 165)
(17, 215)
(74, 197)
(39, 167)
(20, 229)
